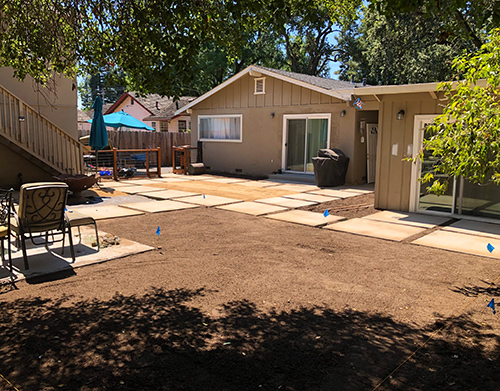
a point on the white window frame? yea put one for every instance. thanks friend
(240, 116)
(286, 117)
(256, 80)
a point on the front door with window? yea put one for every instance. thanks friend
(303, 136)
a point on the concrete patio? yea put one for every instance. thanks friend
(126, 198)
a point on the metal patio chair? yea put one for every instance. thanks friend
(41, 213)
(5, 227)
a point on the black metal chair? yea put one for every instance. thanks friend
(5, 227)
(42, 212)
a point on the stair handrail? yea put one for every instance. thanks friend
(32, 131)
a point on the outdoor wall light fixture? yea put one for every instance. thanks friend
(400, 115)
(343, 113)
(271, 115)
(21, 119)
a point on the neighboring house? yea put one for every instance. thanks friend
(83, 118)
(154, 110)
(264, 120)
(38, 130)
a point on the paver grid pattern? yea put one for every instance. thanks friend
(395, 226)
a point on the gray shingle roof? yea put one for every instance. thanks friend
(322, 82)
(85, 115)
(168, 110)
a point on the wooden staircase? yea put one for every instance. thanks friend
(33, 136)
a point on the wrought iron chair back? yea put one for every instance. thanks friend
(41, 210)
(5, 214)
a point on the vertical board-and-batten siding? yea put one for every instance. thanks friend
(279, 93)
(393, 182)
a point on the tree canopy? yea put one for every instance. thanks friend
(399, 50)
(159, 44)
(466, 137)
(463, 19)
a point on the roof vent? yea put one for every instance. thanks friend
(177, 105)
(157, 107)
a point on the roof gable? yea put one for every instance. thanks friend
(325, 86)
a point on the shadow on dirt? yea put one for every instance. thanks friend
(160, 341)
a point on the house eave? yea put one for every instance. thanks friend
(253, 70)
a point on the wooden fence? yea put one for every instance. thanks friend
(125, 139)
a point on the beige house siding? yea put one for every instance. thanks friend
(392, 187)
(60, 108)
(260, 151)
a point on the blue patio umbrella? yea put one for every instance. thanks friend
(98, 134)
(122, 119)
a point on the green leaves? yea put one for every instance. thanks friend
(467, 135)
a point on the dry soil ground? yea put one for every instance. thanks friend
(236, 302)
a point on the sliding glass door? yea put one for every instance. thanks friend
(462, 197)
(304, 135)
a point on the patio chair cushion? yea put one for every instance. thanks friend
(4, 231)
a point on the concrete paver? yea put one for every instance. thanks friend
(417, 220)
(209, 200)
(336, 193)
(297, 188)
(107, 212)
(139, 189)
(227, 180)
(172, 180)
(169, 194)
(311, 197)
(475, 228)
(376, 229)
(460, 242)
(252, 208)
(43, 262)
(286, 202)
(116, 184)
(259, 184)
(305, 217)
(159, 206)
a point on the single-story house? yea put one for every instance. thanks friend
(264, 120)
(154, 110)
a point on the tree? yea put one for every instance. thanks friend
(466, 137)
(110, 85)
(155, 43)
(400, 50)
(463, 19)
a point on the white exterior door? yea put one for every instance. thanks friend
(371, 151)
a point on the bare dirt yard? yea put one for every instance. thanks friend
(229, 301)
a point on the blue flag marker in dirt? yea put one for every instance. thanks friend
(326, 214)
(491, 304)
(158, 231)
(203, 196)
(490, 247)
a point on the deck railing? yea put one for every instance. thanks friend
(23, 126)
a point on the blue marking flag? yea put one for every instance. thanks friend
(326, 214)
(490, 247)
(491, 304)
(158, 231)
(203, 196)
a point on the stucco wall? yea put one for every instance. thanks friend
(59, 107)
(392, 187)
(260, 152)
